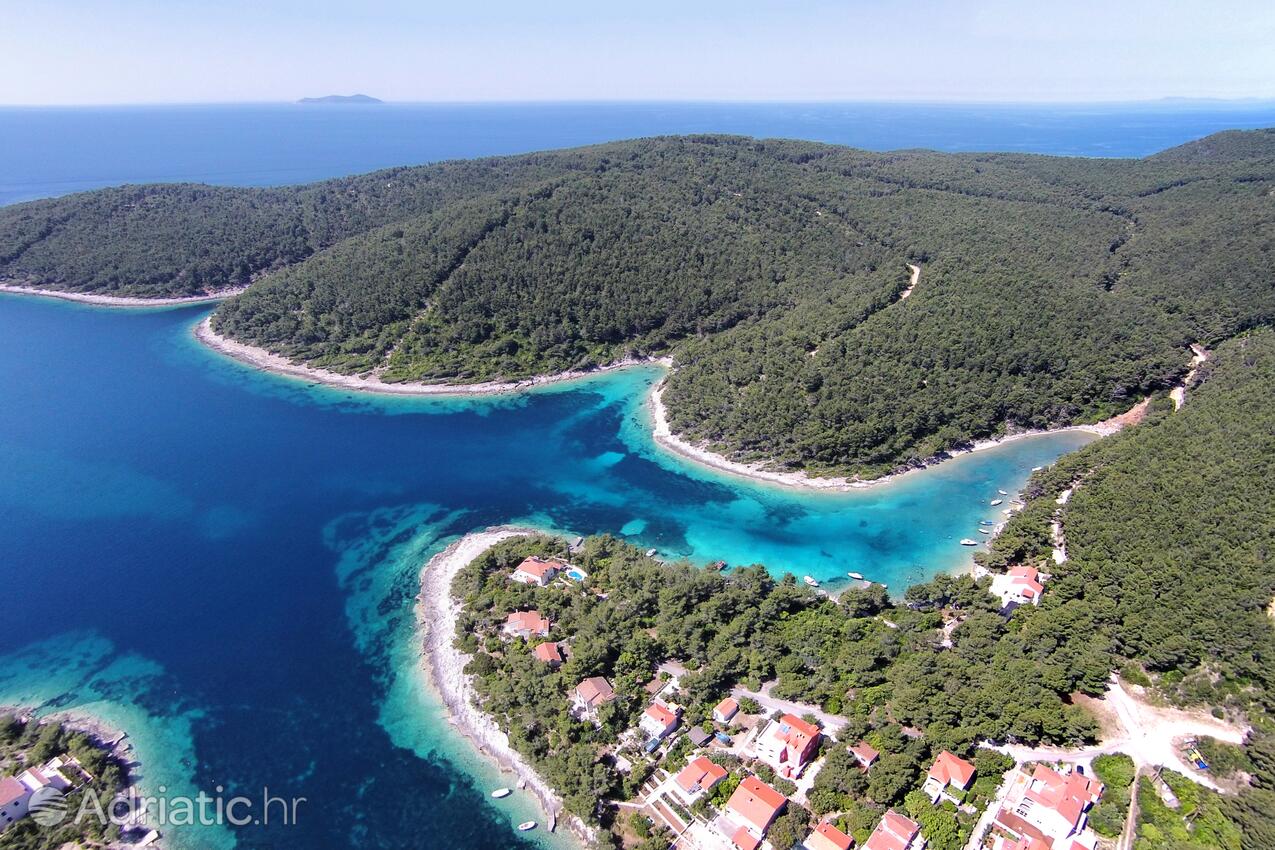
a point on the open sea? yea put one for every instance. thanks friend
(223, 562)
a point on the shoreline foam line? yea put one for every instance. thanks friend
(121, 300)
(444, 667)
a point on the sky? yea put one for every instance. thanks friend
(191, 51)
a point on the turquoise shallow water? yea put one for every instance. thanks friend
(224, 562)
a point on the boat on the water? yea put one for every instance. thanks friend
(984, 531)
(501, 793)
(996, 502)
(1003, 492)
(855, 576)
(965, 541)
(810, 581)
(526, 826)
(1037, 468)
(985, 522)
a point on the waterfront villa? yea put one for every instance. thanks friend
(659, 720)
(895, 832)
(526, 624)
(16, 792)
(697, 778)
(865, 754)
(788, 744)
(550, 653)
(537, 571)
(1048, 809)
(750, 812)
(725, 710)
(589, 696)
(825, 836)
(1019, 586)
(949, 771)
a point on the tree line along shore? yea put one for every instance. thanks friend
(1164, 584)
(1053, 290)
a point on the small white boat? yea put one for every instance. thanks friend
(965, 541)
(1002, 492)
(501, 793)
(809, 581)
(526, 826)
(1037, 468)
(996, 502)
(984, 531)
(855, 576)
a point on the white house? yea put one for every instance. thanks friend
(1019, 586)
(659, 720)
(1049, 808)
(537, 571)
(16, 792)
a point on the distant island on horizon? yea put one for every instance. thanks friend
(341, 98)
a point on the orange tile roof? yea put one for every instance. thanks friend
(10, 790)
(756, 803)
(549, 652)
(529, 620)
(952, 770)
(894, 832)
(744, 840)
(828, 837)
(726, 707)
(537, 567)
(865, 752)
(701, 773)
(661, 714)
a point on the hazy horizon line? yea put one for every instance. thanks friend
(916, 101)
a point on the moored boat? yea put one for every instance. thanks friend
(984, 531)
(1003, 492)
(996, 502)
(965, 541)
(500, 793)
(856, 576)
(810, 581)
(526, 825)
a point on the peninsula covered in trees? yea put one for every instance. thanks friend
(1053, 290)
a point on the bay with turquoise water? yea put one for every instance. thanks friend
(224, 562)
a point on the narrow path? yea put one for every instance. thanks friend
(1130, 831)
(916, 275)
(1178, 393)
(831, 723)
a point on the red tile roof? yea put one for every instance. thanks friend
(595, 691)
(548, 652)
(745, 840)
(828, 837)
(756, 803)
(661, 714)
(894, 832)
(10, 790)
(1068, 795)
(726, 707)
(537, 567)
(948, 769)
(530, 621)
(865, 752)
(700, 773)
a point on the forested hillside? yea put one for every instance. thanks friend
(1052, 290)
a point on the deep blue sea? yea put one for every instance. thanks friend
(224, 562)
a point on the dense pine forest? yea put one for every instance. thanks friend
(1170, 537)
(1053, 290)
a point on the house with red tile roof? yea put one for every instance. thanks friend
(948, 771)
(1019, 586)
(750, 811)
(698, 777)
(865, 754)
(825, 836)
(659, 720)
(895, 832)
(550, 653)
(1049, 807)
(526, 624)
(590, 695)
(725, 710)
(537, 571)
(788, 745)
(16, 792)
